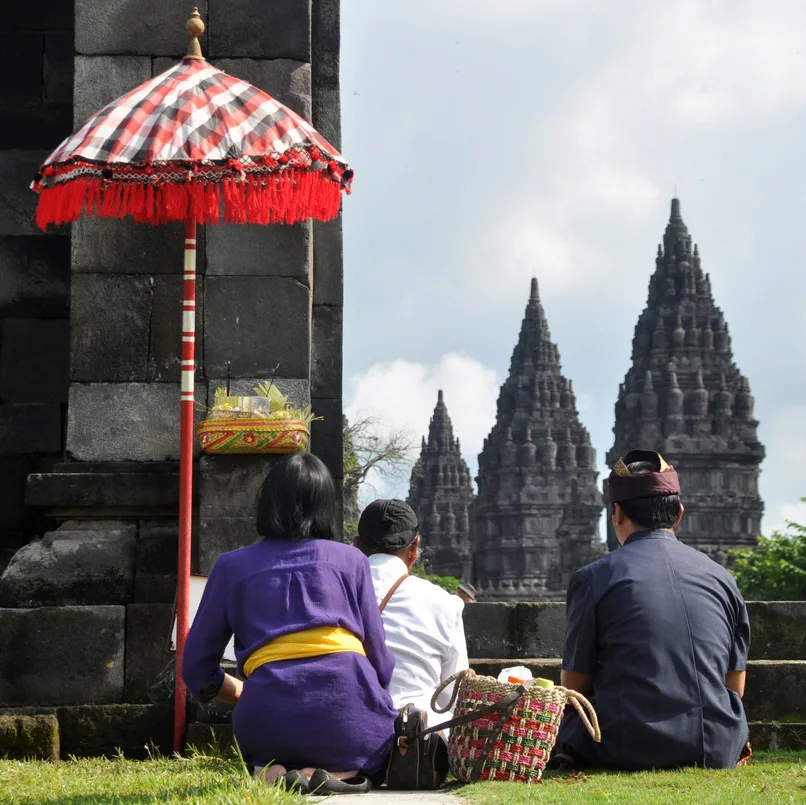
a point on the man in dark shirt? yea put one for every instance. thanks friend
(657, 635)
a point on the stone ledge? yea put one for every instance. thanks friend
(772, 736)
(530, 629)
(210, 737)
(774, 688)
(104, 493)
(26, 737)
(104, 730)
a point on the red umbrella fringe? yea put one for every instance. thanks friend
(286, 198)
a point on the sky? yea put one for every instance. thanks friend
(494, 142)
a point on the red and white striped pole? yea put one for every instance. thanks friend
(185, 479)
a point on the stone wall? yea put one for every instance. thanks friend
(36, 56)
(102, 491)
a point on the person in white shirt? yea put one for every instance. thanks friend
(423, 622)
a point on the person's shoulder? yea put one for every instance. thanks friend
(435, 593)
(340, 553)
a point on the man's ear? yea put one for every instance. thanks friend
(680, 516)
(619, 518)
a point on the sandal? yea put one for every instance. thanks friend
(322, 784)
(296, 781)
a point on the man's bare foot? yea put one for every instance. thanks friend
(269, 774)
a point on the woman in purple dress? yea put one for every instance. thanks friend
(308, 639)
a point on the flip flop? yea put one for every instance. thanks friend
(296, 781)
(323, 784)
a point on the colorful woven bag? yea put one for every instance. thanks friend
(514, 729)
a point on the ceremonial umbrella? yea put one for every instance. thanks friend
(195, 145)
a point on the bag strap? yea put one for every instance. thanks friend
(506, 703)
(392, 591)
(581, 704)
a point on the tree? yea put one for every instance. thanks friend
(776, 569)
(368, 452)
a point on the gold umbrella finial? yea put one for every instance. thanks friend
(195, 27)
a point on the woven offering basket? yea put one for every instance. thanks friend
(238, 436)
(520, 751)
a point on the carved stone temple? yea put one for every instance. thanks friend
(685, 397)
(442, 495)
(536, 516)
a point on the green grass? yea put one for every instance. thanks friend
(773, 778)
(197, 780)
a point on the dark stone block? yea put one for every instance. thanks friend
(221, 534)
(126, 421)
(31, 638)
(326, 351)
(133, 729)
(35, 360)
(214, 712)
(491, 630)
(152, 27)
(274, 250)
(13, 472)
(229, 485)
(24, 50)
(540, 630)
(157, 547)
(165, 336)
(155, 588)
(148, 652)
(326, 36)
(44, 15)
(118, 491)
(79, 563)
(57, 67)
(102, 79)
(109, 245)
(110, 317)
(36, 126)
(774, 690)
(207, 738)
(774, 737)
(17, 201)
(288, 82)
(327, 115)
(27, 428)
(256, 323)
(17, 522)
(327, 439)
(778, 629)
(282, 32)
(29, 737)
(36, 277)
(328, 262)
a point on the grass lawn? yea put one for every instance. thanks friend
(198, 780)
(772, 777)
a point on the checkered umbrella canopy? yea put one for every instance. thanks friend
(193, 143)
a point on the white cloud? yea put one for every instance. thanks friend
(402, 394)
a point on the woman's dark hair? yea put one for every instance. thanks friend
(659, 511)
(297, 500)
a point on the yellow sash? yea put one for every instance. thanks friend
(308, 643)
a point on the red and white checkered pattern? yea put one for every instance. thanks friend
(191, 112)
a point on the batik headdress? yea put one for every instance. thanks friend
(623, 485)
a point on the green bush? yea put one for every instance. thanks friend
(776, 569)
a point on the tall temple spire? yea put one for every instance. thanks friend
(682, 347)
(530, 533)
(441, 493)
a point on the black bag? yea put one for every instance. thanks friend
(419, 758)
